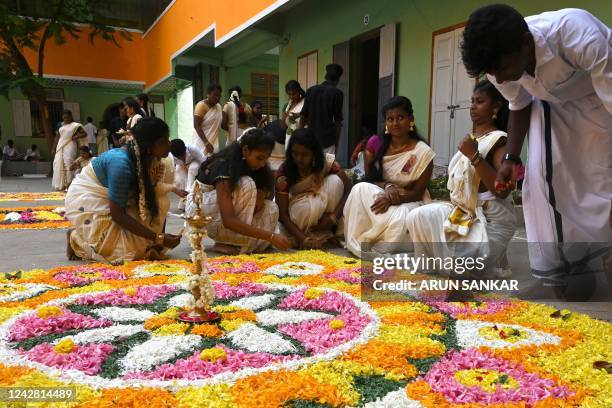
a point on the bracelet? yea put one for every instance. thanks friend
(477, 159)
(513, 158)
(333, 218)
(271, 237)
(159, 239)
(387, 184)
(475, 156)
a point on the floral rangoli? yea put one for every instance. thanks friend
(293, 333)
(33, 218)
(49, 196)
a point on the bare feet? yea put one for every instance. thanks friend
(225, 249)
(69, 251)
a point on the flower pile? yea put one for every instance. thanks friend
(33, 218)
(293, 333)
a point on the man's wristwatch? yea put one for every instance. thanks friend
(513, 158)
(159, 239)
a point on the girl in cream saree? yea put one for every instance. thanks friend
(478, 221)
(399, 166)
(110, 223)
(235, 183)
(207, 120)
(66, 151)
(311, 190)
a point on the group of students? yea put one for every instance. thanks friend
(309, 202)
(552, 68)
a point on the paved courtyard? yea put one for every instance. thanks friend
(29, 249)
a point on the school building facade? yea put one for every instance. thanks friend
(387, 47)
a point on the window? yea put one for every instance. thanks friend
(264, 88)
(307, 66)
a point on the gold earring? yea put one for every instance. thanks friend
(494, 115)
(412, 126)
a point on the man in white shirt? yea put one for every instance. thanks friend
(555, 69)
(187, 162)
(92, 133)
(32, 154)
(9, 152)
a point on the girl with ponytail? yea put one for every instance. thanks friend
(118, 203)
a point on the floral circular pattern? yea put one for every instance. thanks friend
(292, 333)
(136, 336)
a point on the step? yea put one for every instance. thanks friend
(19, 168)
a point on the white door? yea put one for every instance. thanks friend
(451, 97)
(441, 100)
(75, 108)
(463, 86)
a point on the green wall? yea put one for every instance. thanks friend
(241, 75)
(92, 103)
(319, 24)
(170, 110)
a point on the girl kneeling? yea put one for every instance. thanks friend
(235, 183)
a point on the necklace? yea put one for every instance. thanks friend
(481, 135)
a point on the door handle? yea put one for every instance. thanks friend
(452, 109)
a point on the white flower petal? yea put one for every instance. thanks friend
(295, 269)
(24, 291)
(255, 339)
(394, 399)
(253, 302)
(12, 217)
(272, 317)
(156, 351)
(103, 334)
(122, 314)
(182, 300)
(468, 335)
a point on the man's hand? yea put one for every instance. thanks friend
(209, 148)
(506, 177)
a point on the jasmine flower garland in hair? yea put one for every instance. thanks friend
(142, 206)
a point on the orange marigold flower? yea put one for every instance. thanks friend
(207, 330)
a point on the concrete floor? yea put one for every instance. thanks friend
(23, 249)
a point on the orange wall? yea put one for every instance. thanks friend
(102, 59)
(147, 59)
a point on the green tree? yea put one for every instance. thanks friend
(17, 33)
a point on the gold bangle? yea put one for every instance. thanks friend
(159, 239)
(333, 218)
(271, 237)
(477, 159)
